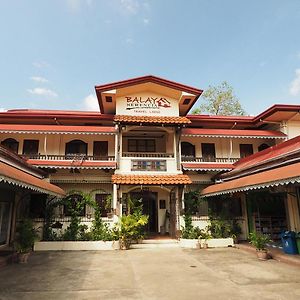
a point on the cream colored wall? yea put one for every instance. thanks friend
(222, 145)
(56, 143)
(121, 104)
(293, 129)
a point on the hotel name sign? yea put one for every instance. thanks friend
(147, 104)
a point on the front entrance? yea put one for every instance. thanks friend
(149, 200)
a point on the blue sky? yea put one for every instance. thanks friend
(53, 53)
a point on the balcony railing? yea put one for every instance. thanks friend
(209, 159)
(148, 154)
(76, 157)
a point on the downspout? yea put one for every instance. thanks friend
(45, 145)
(230, 143)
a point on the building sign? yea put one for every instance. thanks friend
(147, 103)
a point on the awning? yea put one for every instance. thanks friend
(207, 167)
(72, 164)
(275, 177)
(151, 179)
(14, 176)
(233, 133)
(56, 129)
(127, 119)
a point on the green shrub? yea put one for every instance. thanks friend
(26, 236)
(259, 240)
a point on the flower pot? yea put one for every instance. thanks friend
(262, 254)
(124, 244)
(23, 257)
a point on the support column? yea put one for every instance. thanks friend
(115, 196)
(245, 229)
(293, 209)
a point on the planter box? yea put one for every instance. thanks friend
(189, 243)
(219, 243)
(75, 245)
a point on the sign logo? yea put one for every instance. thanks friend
(147, 103)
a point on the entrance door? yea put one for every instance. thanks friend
(5, 209)
(100, 150)
(149, 208)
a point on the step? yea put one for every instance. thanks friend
(156, 243)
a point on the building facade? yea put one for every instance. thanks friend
(143, 143)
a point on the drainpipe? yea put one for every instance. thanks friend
(45, 145)
(230, 143)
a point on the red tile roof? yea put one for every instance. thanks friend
(151, 179)
(51, 129)
(64, 164)
(18, 177)
(207, 166)
(232, 133)
(268, 154)
(150, 119)
(278, 176)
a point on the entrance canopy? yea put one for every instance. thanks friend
(275, 177)
(151, 179)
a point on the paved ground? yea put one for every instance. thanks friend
(150, 274)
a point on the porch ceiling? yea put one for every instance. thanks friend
(275, 177)
(151, 179)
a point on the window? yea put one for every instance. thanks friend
(37, 205)
(187, 150)
(31, 148)
(101, 201)
(263, 147)
(208, 152)
(140, 145)
(228, 207)
(149, 165)
(76, 147)
(246, 150)
(75, 202)
(100, 149)
(11, 144)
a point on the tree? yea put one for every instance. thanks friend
(220, 100)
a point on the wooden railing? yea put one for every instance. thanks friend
(148, 154)
(68, 157)
(209, 159)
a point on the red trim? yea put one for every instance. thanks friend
(207, 166)
(57, 128)
(232, 132)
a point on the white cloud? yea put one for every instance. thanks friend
(41, 64)
(130, 6)
(146, 21)
(295, 84)
(42, 92)
(76, 5)
(2, 109)
(39, 79)
(90, 102)
(129, 41)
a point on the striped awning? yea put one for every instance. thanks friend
(289, 174)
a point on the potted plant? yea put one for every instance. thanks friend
(204, 236)
(26, 235)
(259, 241)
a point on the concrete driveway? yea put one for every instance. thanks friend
(149, 274)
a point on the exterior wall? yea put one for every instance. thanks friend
(293, 129)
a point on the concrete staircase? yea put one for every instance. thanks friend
(156, 243)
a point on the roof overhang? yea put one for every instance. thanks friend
(207, 167)
(108, 93)
(17, 177)
(289, 174)
(233, 133)
(124, 119)
(151, 179)
(57, 129)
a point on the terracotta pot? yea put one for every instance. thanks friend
(124, 244)
(23, 258)
(262, 254)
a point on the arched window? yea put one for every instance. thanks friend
(187, 149)
(263, 147)
(76, 147)
(11, 144)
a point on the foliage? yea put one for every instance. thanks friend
(26, 235)
(191, 202)
(108, 203)
(259, 240)
(220, 100)
(130, 226)
(191, 232)
(221, 227)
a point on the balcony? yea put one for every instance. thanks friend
(209, 159)
(148, 154)
(74, 157)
